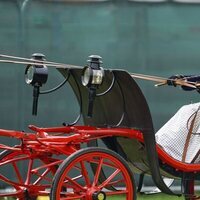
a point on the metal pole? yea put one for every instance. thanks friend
(22, 6)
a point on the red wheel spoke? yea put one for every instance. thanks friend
(42, 176)
(96, 177)
(77, 167)
(85, 173)
(6, 180)
(18, 193)
(106, 163)
(28, 176)
(115, 182)
(67, 183)
(75, 184)
(52, 164)
(14, 160)
(17, 173)
(109, 178)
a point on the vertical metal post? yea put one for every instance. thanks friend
(22, 6)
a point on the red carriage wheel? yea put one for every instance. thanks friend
(25, 176)
(74, 178)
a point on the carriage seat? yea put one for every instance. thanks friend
(180, 136)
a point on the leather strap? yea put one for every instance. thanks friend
(189, 135)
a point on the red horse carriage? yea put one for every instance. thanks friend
(66, 163)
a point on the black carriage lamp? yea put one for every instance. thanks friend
(92, 77)
(36, 75)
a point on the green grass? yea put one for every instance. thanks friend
(159, 196)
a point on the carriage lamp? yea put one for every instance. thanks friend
(93, 74)
(92, 77)
(36, 75)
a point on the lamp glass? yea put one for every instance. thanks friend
(97, 77)
(86, 76)
(30, 74)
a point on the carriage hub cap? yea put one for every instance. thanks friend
(99, 196)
